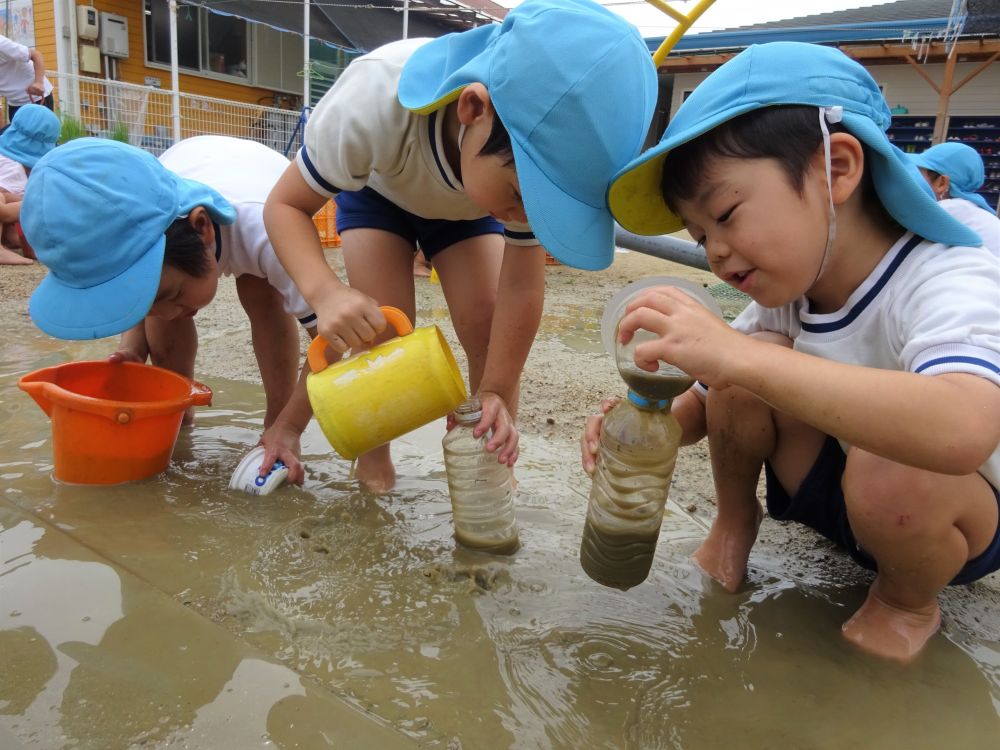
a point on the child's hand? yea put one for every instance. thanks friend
(504, 440)
(282, 443)
(125, 355)
(349, 319)
(592, 435)
(690, 336)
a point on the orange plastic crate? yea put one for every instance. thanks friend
(326, 225)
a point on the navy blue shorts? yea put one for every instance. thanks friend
(367, 209)
(819, 504)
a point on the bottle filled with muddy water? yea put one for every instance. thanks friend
(481, 488)
(635, 463)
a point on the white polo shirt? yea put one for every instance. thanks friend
(243, 172)
(17, 73)
(13, 178)
(926, 308)
(360, 135)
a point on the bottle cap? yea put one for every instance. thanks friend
(247, 475)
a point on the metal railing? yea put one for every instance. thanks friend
(107, 108)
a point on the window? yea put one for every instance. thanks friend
(206, 42)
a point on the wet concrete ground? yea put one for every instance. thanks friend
(176, 613)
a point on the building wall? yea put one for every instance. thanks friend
(903, 86)
(134, 69)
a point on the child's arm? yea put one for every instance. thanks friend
(518, 311)
(346, 318)
(37, 85)
(132, 347)
(947, 423)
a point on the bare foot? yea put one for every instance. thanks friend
(10, 258)
(885, 630)
(726, 549)
(422, 270)
(375, 473)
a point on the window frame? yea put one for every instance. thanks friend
(203, 71)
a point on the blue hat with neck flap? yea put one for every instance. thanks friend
(95, 212)
(787, 73)
(575, 87)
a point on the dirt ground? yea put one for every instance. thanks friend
(566, 376)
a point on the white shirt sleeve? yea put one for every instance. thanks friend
(351, 132)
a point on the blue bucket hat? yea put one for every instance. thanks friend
(95, 212)
(782, 73)
(575, 86)
(964, 167)
(32, 133)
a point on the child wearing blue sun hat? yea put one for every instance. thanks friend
(33, 132)
(486, 148)
(863, 377)
(954, 172)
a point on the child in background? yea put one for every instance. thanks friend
(955, 172)
(863, 378)
(137, 247)
(32, 133)
(482, 147)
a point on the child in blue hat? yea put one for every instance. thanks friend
(863, 377)
(955, 171)
(32, 133)
(136, 246)
(487, 148)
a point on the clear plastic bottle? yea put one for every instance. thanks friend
(635, 462)
(481, 487)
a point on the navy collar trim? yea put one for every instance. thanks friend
(435, 145)
(851, 315)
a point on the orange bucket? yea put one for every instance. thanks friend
(112, 422)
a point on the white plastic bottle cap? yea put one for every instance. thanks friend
(247, 475)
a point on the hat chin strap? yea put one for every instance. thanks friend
(831, 115)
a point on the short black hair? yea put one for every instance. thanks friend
(788, 134)
(498, 142)
(184, 249)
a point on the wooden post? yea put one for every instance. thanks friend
(941, 122)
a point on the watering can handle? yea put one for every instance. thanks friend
(395, 317)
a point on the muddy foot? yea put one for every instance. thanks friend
(376, 478)
(10, 258)
(726, 549)
(889, 631)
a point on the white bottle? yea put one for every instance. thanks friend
(481, 487)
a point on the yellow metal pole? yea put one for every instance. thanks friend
(684, 21)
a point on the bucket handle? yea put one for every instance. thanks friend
(317, 349)
(201, 394)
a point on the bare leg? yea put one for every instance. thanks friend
(741, 435)
(10, 258)
(921, 528)
(421, 266)
(380, 264)
(743, 431)
(470, 273)
(173, 345)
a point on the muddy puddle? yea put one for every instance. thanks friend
(175, 612)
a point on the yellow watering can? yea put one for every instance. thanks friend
(377, 395)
